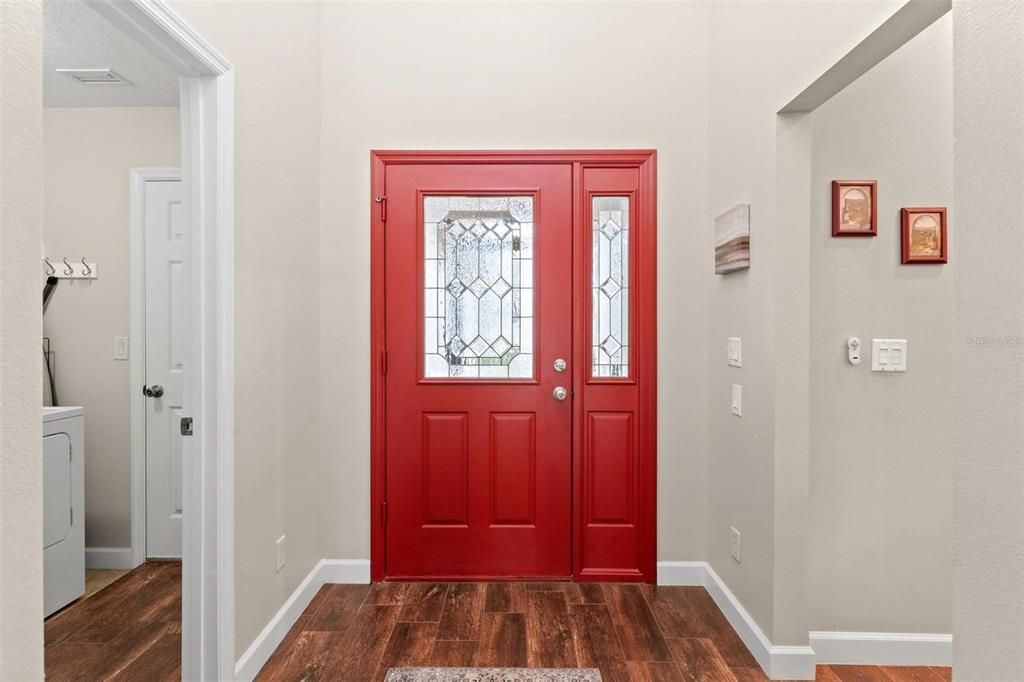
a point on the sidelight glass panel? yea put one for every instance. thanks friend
(478, 287)
(610, 287)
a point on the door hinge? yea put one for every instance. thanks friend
(186, 426)
(71, 516)
(382, 201)
(383, 362)
(383, 513)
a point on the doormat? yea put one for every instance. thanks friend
(493, 675)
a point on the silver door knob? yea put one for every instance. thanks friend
(560, 393)
(560, 365)
(154, 391)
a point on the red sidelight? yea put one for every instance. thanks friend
(513, 342)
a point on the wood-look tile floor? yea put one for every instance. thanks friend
(129, 630)
(631, 632)
(98, 579)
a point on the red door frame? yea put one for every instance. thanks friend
(644, 337)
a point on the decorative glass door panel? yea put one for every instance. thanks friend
(610, 287)
(478, 287)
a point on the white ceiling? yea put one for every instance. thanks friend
(75, 36)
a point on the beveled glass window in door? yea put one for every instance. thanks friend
(610, 287)
(478, 286)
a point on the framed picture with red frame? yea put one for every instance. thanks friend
(854, 208)
(924, 235)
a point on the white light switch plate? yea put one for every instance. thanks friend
(737, 400)
(888, 355)
(120, 347)
(734, 351)
(734, 544)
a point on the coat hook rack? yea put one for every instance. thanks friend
(70, 268)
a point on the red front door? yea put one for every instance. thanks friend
(478, 312)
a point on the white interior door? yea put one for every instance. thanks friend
(166, 301)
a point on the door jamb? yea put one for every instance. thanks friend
(645, 160)
(207, 107)
(138, 177)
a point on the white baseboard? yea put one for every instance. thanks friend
(682, 573)
(349, 571)
(355, 571)
(109, 558)
(777, 662)
(882, 648)
(798, 662)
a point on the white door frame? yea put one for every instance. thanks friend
(138, 177)
(208, 182)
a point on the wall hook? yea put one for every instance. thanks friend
(68, 270)
(50, 270)
(87, 270)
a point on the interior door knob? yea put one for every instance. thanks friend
(154, 391)
(560, 393)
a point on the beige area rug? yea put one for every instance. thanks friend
(493, 675)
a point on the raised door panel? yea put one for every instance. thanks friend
(513, 468)
(445, 469)
(610, 468)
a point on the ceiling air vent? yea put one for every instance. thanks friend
(95, 76)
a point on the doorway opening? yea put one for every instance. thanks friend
(147, 256)
(513, 360)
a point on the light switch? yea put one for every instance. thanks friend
(737, 400)
(734, 351)
(120, 347)
(888, 355)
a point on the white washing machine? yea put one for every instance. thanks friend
(63, 507)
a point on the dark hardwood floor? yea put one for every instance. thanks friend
(631, 632)
(130, 630)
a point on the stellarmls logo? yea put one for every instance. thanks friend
(1009, 340)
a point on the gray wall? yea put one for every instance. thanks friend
(761, 55)
(988, 174)
(881, 480)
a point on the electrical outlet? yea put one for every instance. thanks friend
(734, 543)
(281, 557)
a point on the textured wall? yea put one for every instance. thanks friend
(86, 213)
(881, 543)
(21, 509)
(988, 341)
